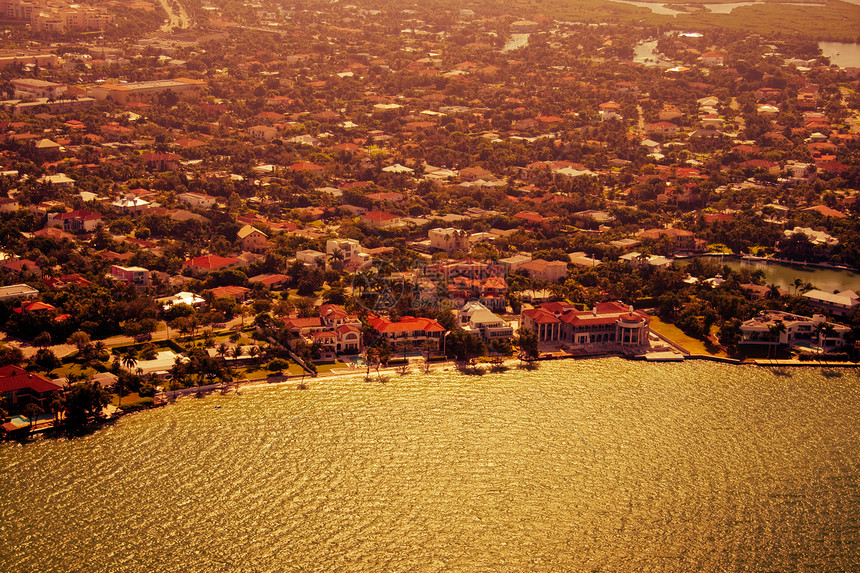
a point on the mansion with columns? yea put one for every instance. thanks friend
(608, 326)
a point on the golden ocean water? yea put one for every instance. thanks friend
(592, 465)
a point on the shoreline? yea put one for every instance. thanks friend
(508, 364)
(446, 366)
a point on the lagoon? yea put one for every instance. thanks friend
(717, 8)
(784, 274)
(842, 54)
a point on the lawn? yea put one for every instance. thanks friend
(252, 373)
(127, 400)
(243, 340)
(263, 372)
(328, 367)
(72, 368)
(692, 345)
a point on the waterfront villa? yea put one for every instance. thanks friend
(477, 318)
(776, 328)
(840, 303)
(609, 326)
(334, 331)
(20, 388)
(409, 330)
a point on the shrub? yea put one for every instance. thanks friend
(278, 364)
(139, 405)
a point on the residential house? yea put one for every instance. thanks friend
(253, 240)
(20, 388)
(272, 281)
(530, 217)
(9, 205)
(610, 110)
(679, 239)
(513, 263)
(349, 251)
(79, 221)
(814, 237)
(23, 267)
(477, 318)
(380, 219)
(210, 263)
(304, 326)
(59, 180)
(713, 59)
(311, 258)
(183, 297)
(662, 127)
(162, 161)
(416, 332)
(449, 240)
(543, 270)
(264, 132)
(131, 204)
(18, 292)
(842, 303)
(581, 259)
(776, 328)
(237, 293)
(47, 150)
(197, 200)
(137, 276)
(345, 327)
(608, 327)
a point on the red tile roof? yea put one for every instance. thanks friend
(211, 262)
(15, 378)
(541, 316)
(406, 324)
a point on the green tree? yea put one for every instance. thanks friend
(80, 339)
(84, 401)
(527, 341)
(42, 340)
(32, 411)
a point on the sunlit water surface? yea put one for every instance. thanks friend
(597, 465)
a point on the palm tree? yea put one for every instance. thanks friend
(56, 406)
(32, 411)
(176, 374)
(528, 342)
(773, 291)
(775, 331)
(371, 355)
(223, 350)
(238, 352)
(129, 360)
(99, 350)
(824, 330)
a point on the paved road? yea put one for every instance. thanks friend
(175, 19)
(62, 350)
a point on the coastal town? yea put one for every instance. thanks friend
(192, 196)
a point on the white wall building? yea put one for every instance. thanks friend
(477, 318)
(449, 240)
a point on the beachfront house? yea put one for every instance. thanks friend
(776, 328)
(608, 327)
